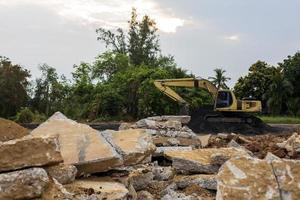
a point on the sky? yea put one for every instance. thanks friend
(201, 34)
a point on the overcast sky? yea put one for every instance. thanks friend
(201, 34)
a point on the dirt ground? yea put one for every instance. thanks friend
(259, 145)
(10, 130)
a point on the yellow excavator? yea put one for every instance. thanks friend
(227, 108)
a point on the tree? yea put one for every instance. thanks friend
(13, 86)
(256, 83)
(50, 91)
(219, 80)
(291, 71)
(108, 63)
(278, 93)
(140, 44)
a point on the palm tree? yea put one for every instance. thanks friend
(280, 90)
(219, 80)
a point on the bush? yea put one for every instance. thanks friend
(25, 115)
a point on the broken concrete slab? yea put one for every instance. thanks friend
(202, 160)
(204, 140)
(29, 152)
(23, 184)
(55, 191)
(288, 177)
(98, 188)
(135, 145)
(140, 178)
(160, 151)
(163, 173)
(251, 178)
(184, 119)
(63, 173)
(206, 181)
(271, 157)
(292, 144)
(144, 195)
(80, 145)
(159, 140)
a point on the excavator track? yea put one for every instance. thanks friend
(205, 120)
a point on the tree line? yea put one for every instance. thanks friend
(118, 84)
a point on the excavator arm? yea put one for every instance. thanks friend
(164, 86)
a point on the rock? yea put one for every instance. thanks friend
(202, 160)
(175, 141)
(63, 173)
(97, 188)
(288, 177)
(10, 130)
(80, 145)
(135, 145)
(125, 126)
(168, 126)
(184, 119)
(202, 180)
(23, 184)
(204, 139)
(29, 152)
(292, 144)
(251, 178)
(140, 178)
(271, 157)
(160, 151)
(163, 173)
(175, 195)
(144, 195)
(234, 144)
(55, 191)
(147, 124)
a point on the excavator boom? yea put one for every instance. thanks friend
(164, 86)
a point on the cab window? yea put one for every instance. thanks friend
(224, 99)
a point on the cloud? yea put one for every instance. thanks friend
(104, 13)
(232, 38)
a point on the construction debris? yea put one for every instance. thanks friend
(23, 184)
(244, 177)
(98, 188)
(207, 161)
(63, 173)
(80, 145)
(292, 144)
(29, 152)
(154, 158)
(135, 146)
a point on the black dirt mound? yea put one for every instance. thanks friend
(199, 124)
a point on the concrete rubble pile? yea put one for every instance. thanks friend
(154, 158)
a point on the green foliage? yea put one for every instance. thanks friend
(278, 93)
(256, 83)
(291, 71)
(13, 86)
(219, 80)
(25, 115)
(50, 91)
(108, 63)
(140, 43)
(280, 119)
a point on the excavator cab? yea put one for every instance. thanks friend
(224, 99)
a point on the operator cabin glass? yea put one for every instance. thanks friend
(224, 99)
